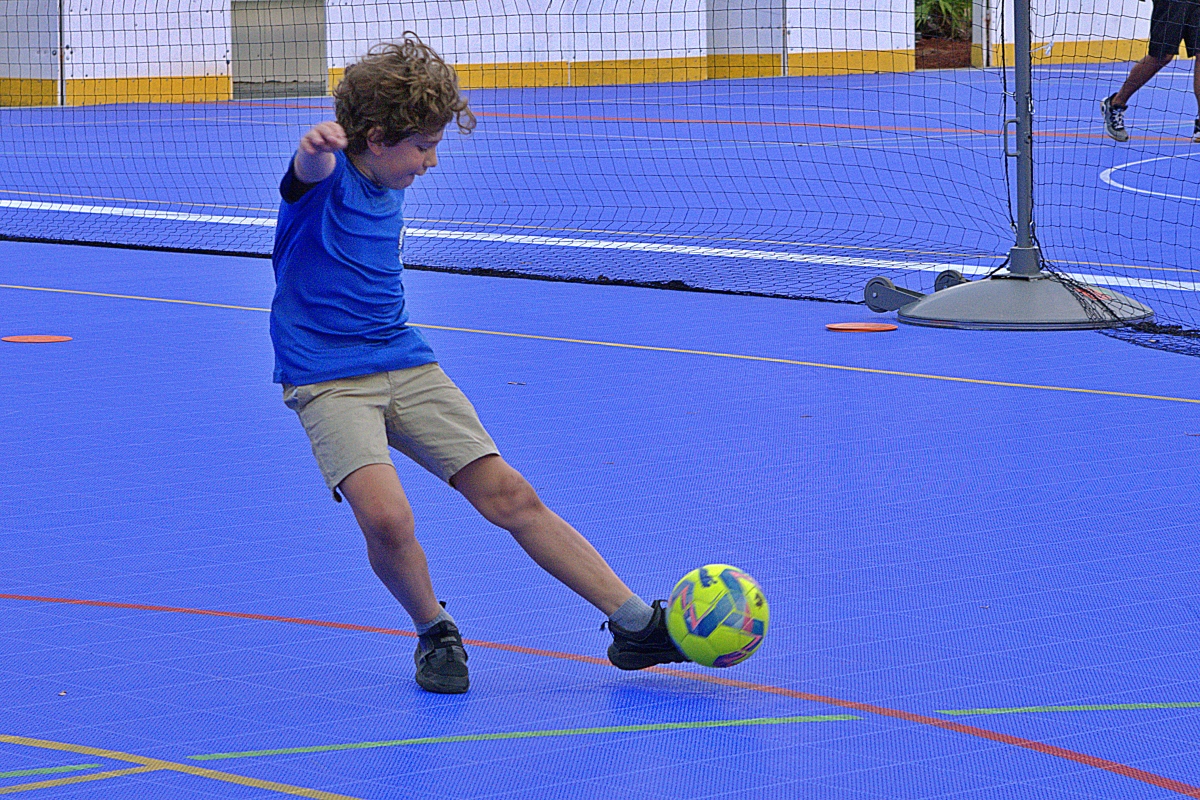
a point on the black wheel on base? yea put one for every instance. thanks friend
(874, 292)
(948, 278)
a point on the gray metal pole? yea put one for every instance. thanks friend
(62, 57)
(1024, 259)
(783, 50)
(1024, 298)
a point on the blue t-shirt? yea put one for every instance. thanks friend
(338, 310)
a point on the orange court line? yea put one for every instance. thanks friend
(835, 125)
(761, 123)
(1124, 770)
(155, 764)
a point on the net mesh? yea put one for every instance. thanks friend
(1124, 210)
(778, 148)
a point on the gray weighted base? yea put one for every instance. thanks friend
(1020, 303)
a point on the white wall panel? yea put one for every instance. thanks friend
(146, 38)
(29, 39)
(841, 25)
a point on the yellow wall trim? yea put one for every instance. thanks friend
(28, 92)
(851, 62)
(672, 70)
(638, 70)
(746, 65)
(1085, 51)
(192, 89)
(525, 74)
(514, 75)
(95, 91)
(977, 52)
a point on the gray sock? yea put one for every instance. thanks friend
(633, 615)
(442, 616)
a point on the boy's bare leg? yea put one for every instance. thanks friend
(386, 519)
(505, 498)
(1139, 76)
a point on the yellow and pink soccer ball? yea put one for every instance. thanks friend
(717, 615)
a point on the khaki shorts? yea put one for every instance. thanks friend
(419, 411)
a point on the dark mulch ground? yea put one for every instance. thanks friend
(943, 54)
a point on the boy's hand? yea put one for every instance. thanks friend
(314, 161)
(325, 137)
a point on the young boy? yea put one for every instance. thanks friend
(360, 379)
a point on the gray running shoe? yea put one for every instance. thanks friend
(1114, 119)
(442, 660)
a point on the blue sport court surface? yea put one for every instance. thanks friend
(979, 548)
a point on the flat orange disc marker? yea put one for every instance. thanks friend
(35, 339)
(861, 327)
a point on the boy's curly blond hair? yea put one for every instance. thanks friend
(402, 89)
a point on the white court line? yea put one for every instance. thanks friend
(1107, 177)
(142, 213)
(693, 250)
(766, 255)
(702, 251)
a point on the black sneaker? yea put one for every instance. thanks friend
(645, 648)
(442, 660)
(1114, 119)
(1196, 131)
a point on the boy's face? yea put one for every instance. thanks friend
(397, 166)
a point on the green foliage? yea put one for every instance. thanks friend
(944, 19)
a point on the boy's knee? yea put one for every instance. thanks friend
(510, 500)
(388, 529)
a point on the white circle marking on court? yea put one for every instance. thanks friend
(1107, 177)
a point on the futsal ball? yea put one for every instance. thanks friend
(717, 615)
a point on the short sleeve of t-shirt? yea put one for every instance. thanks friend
(291, 188)
(339, 308)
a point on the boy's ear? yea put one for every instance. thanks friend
(375, 140)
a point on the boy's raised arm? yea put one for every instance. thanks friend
(314, 161)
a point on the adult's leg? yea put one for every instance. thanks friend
(1196, 82)
(505, 498)
(1139, 76)
(386, 519)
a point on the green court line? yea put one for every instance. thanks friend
(21, 773)
(656, 349)
(488, 737)
(1046, 709)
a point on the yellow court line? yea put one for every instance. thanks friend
(656, 349)
(151, 764)
(132, 297)
(818, 364)
(95, 776)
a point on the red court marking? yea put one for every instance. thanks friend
(1093, 293)
(754, 123)
(777, 124)
(861, 327)
(35, 339)
(1162, 782)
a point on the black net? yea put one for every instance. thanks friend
(780, 148)
(1116, 195)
